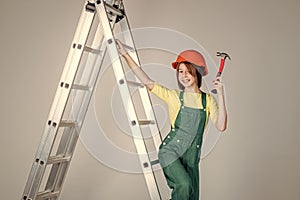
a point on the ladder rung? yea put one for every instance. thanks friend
(91, 50)
(58, 159)
(136, 84)
(154, 162)
(80, 87)
(146, 122)
(128, 47)
(113, 10)
(46, 194)
(65, 123)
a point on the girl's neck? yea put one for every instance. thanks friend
(192, 89)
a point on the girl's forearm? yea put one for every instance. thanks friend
(221, 123)
(140, 74)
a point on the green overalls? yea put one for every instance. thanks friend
(179, 153)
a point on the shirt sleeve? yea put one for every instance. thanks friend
(162, 92)
(213, 108)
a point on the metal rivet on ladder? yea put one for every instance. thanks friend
(67, 85)
(133, 123)
(25, 197)
(98, 1)
(121, 81)
(49, 122)
(79, 46)
(109, 41)
(37, 160)
(74, 45)
(54, 124)
(62, 84)
(146, 165)
(42, 162)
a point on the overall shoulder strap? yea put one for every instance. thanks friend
(181, 97)
(203, 99)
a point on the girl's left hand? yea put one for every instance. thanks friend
(218, 85)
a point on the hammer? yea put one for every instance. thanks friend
(223, 57)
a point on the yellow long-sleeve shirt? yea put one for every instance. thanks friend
(193, 100)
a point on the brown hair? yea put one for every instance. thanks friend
(192, 70)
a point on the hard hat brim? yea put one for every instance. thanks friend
(201, 69)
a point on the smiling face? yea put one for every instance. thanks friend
(187, 75)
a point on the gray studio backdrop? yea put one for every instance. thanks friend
(258, 155)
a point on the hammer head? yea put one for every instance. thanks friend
(223, 55)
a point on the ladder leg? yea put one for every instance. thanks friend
(67, 145)
(146, 101)
(147, 105)
(62, 94)
(126, 98)
(73, 96)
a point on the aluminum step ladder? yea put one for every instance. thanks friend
(94, 37)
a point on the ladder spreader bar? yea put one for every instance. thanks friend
(133, 83)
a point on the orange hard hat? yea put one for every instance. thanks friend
(193, 57)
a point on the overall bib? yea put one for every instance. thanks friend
(179, 153)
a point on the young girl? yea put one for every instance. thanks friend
(189, 110)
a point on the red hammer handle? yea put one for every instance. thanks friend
(221, 67)
(222, 63)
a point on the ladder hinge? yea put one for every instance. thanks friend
(90, 7)
(115, 10)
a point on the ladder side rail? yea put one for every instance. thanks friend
(56, 168)
(116, 63)
(66, 89)
(59, 170)
(73, 141)
(69, 79)
(51, 128)
(90, 75)
(145, 98)
(88, 78)
(144, 94)
(83, 108)
(83, 20)
(80, 27)
(127, 102)
(94, 75)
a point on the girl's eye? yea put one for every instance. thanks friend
(180, 71)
